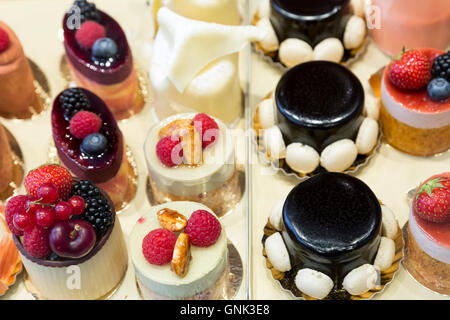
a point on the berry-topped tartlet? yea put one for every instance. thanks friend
(17, 89)
(331, 238)
(415, 112)
(319, 111)
(69, 239)
(427, 254)
(90, 144)
(301, 30)
(100, 59)
(190, 157)
(179, 251)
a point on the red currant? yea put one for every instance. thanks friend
(63, 210)
(48, 193)
(45, 216)
(23, 221)
(78, 205)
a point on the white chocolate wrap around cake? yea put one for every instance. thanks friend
(206, 267)
(194, 66)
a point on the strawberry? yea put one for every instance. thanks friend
(53, 173)
(432, 201)
(410, 71)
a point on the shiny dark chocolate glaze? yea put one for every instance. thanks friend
(332, 224)
(99, 168)
(81, 60)
(309, 20)
(318, 103)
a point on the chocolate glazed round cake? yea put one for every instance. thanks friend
(332, 224)
(311, 21)
(318, 103)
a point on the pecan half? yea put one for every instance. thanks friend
(181, 255)
(171, 220)
(175, 128)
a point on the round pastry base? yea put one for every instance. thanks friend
(18, 167)
(226, 197)
(281, 165)
(38, 296)
(141, 100)
(133, 177)
(413, 271)
(286, 280)
(233, 279)
(349, 57)
(42, 100)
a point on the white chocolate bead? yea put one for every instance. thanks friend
(277, 253)
(385, 254)
(330, 49)
(313, 283)
(270, 41)
(274, 143)
(389, 224)
(361, 279)
(264, 9)
(371, 107)
(354, 33)
(267, 113)
(276, 215)
(339, 155)
(367, 136)
(358, 8)
(302, 158)
(295, 51)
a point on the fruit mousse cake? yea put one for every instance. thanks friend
(317, 110)
(90, 144)
(6, 161)
(334, 236)
(100, 59)
(69, 239)
(195, 66)
(415, 111)
(179, 251)
(190, 157)
(17, 90)
(217, 11)
(427, 245)
(297, 31)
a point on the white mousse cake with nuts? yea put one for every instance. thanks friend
(179, 251)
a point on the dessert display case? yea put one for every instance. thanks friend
(390, 174)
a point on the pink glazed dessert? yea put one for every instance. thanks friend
(411, 23)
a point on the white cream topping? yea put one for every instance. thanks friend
(421, 120)
(205, 267)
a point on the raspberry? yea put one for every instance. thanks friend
(203, 228)
(84, 123)
(4, 40)
(207, 127)
(158, 246)
(89, 32)
(15, 205)
(170, 151)
(36, 242)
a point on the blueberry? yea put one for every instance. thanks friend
(104, 49)
(94, 144)
(439, 89)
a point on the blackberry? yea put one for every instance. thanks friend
(98, 212)
(88, 11)
(441, 67)
(73, 100)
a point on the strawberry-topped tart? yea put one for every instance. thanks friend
(69, 239)
(100, 58)
(179, 251)
(190, 157)
(90, 143)
(415, 112)
(427, 255)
